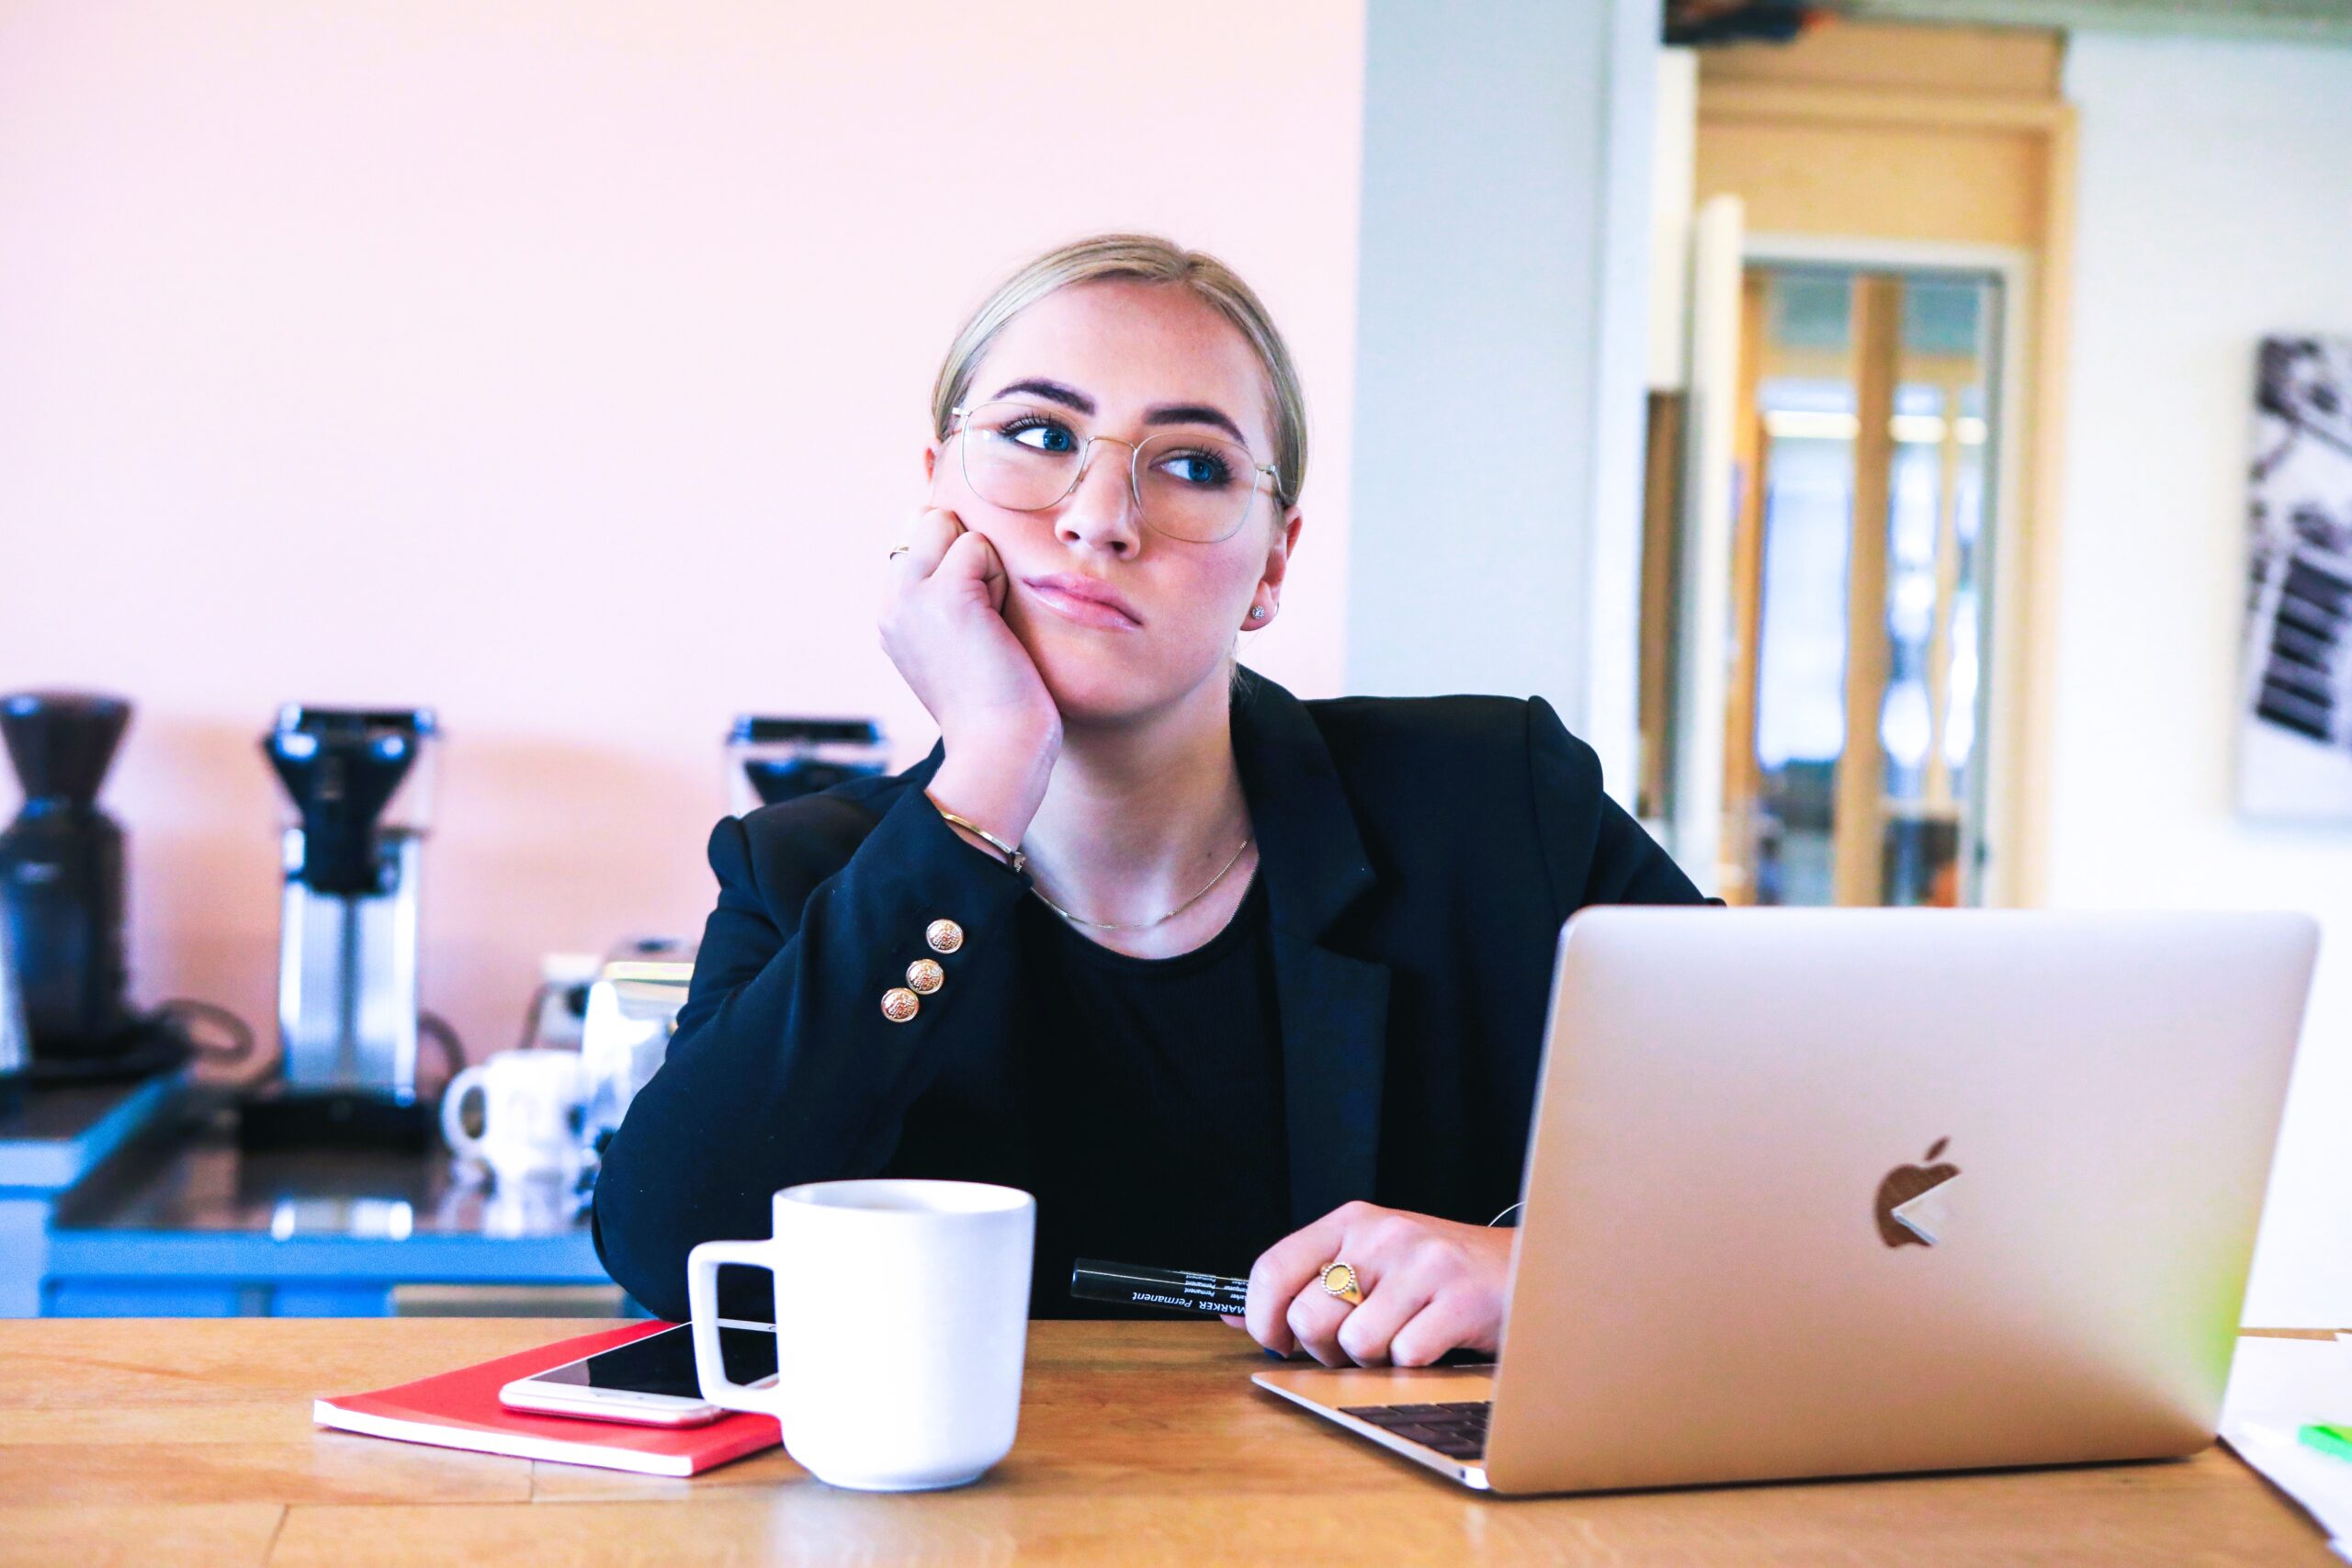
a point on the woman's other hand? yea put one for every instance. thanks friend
(1429, 1286)
(943, 625)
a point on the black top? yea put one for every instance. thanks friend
(1417, 855)
(1158, 1086)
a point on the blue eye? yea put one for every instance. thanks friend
(1202, 470)
(1051, 437)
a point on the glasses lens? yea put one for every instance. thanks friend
(1195, 487)
(1020, 456)
(1026, 456)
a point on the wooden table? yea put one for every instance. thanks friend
(191, 1442)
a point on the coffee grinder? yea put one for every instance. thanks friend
(61, 899)
(358, 784)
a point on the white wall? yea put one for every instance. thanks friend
(2216, 206)
(1501, 349)
(564, 364)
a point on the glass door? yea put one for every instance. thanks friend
(1860, 587)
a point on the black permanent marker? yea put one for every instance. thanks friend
(1138, 1284)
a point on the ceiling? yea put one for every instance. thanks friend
(2317, 21)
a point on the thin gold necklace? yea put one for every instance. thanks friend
(1141, 925)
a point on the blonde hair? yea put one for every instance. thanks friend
(1145, 258)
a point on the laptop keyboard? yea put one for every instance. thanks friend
(1457, 1431)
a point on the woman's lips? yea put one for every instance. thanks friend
(1085, 612)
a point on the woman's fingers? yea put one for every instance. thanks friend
(940, 548)
(934, 529)
(1367, 1333)
(1429, 1285)
(1283, 1270)
(1315, 1319)
(1450, 1319)
(970, 558)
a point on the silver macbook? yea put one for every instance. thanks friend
(1838, 1192)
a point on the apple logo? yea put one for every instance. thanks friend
(1899, 1223)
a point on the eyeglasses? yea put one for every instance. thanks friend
(1025, 458)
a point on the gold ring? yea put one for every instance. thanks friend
(894, 554)
(1347, 1288)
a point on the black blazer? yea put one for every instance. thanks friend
(1419, 855)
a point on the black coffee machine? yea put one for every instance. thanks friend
(62, 895)
(772, 758)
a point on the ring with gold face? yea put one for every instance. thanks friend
(1339, 1280)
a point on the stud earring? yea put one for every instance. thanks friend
(1257, 612)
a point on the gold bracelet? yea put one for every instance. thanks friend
(1012, 857)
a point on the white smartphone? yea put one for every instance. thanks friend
(648, 1382)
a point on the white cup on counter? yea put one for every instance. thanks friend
(901, 1317)
(532, 1101)
(531, 1206)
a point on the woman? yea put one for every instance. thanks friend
(1230, 981)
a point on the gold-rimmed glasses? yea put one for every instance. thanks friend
(1026, 457)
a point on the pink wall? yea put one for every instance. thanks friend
(563, 366)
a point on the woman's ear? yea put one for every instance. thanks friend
(930, 460)
(1278, 552)
(1277, 568)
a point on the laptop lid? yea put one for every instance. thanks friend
(1833, 1191)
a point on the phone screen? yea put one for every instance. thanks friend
(665, 1362)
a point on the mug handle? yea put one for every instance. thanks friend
(453, 1126)
(701, 1309)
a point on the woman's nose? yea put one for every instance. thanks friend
(1101, 511)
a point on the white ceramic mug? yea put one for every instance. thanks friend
(901, 1312)
(519, 1206)
(531, 1104)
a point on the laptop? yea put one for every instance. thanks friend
(1854, 1191)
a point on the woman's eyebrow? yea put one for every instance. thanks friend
(1193, 413)
(1158, 414)
(1068, 396)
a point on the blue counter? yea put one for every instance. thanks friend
(183, 1224)
(51, 1138)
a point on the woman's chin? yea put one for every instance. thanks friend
(1091, 698)
(1096, 690)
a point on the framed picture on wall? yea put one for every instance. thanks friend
(2295, 726)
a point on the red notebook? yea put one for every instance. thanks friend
(460, 1410)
